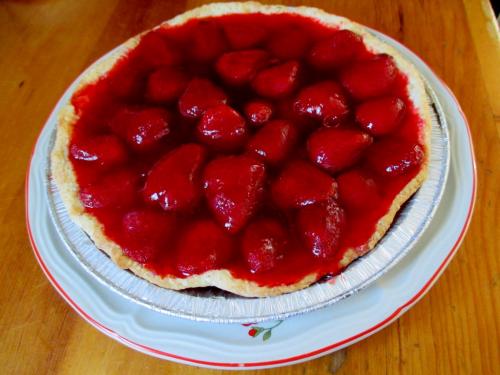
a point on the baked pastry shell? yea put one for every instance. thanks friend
(65, 179)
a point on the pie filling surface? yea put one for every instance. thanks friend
(267, 145)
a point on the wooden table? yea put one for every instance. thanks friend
(45, 44)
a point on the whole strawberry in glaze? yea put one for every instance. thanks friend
(203, 246)
(369, 78)
(244, 35)
(357, 190)
(104, 150)
(117, 189)
(337, 149)
(127, 83)
(174, 181)
(120, 120)
(142, 128)
(393, 157)
(301, 184)
(222, 128)
(239, 67)
(154, 51)
(274, 141)
(200, 94)
(323, 101)
(336, 50)
(147, 232)
(277, 81)
(321, 227)
(233, 188)
(288, 43)
(263, 244)
(258, 112)
(381, 115)
(208, 41)
(166, 84)
(146, 127)
(284, 109)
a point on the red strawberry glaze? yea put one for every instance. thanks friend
(194, 51)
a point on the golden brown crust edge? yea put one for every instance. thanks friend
(65, 178)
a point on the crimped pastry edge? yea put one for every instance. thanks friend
(65, 178)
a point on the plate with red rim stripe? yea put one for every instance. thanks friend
(269, 343)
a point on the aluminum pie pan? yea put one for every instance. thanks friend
(220, 307)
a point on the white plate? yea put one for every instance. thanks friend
(296, 339)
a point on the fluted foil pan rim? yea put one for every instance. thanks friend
(409, 226)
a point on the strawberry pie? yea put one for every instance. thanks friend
(257, 149)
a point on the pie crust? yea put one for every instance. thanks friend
(65, 177)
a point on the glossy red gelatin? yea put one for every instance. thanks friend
(256, 68)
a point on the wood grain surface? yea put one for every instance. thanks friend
(45, 44)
